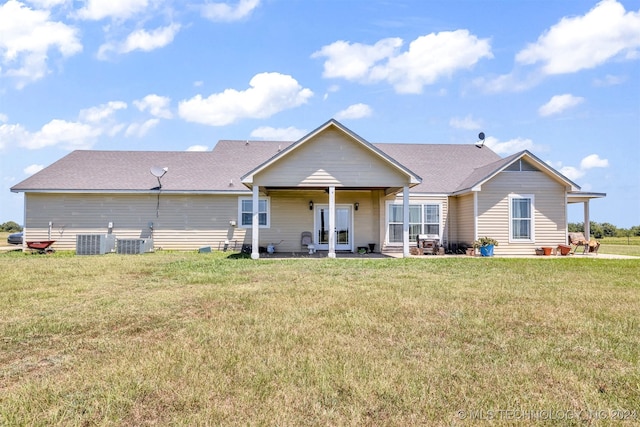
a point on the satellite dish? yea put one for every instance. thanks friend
(481, 136)
(480, 143)
(157, 171)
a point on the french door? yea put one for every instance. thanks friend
(343, 227)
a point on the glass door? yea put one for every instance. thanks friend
(343, 227)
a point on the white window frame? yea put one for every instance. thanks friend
(532, 229)
(267, 200)
(412, 237)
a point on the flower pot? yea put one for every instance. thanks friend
(547, 250)
(564, 249)
(539, 251)
(486, 250)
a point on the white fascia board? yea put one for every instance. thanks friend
(220, 192)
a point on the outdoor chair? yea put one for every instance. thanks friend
(578, 240)
(306, 240)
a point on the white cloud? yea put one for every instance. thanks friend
(83, 133)
(559, 103)
(428, 59)
(48, 4)
(507, 82)
(571, 172)
(141, 39)
(511, 146)
(575, 173)
(31, 169)
(141, 129)
(583, 42)
(224, 12)
(150, 40)
(355, 111)
(353, 61)
(4, 118)
(593, 161)
(27, 38)
(71, 135)
(269, 93)
(12, 134)
(278, 134)
(609, 80)
(198, 148)
(158, 106)
(101, 112)
(468, 123)
(96, 10)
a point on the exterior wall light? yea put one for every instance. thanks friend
(310, 205)
(356, 205)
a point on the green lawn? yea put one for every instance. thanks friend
(199, 339)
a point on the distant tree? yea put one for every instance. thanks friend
(576, 227)
(635, 230)
(596, 230)
(10, 227)
(608, 230)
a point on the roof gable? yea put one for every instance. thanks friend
(485, 173)
(358, 156)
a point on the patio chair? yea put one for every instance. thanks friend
(578, 240)
(306, 240)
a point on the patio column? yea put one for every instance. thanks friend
(405, 221)
(332, 222)
(587, 221)
(255, 224)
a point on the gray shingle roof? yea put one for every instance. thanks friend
(443, 168)
(129, 170)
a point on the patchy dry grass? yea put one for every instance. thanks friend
(198, 339)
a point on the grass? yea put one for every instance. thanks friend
(199, 339)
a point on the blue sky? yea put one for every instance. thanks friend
(559, 78)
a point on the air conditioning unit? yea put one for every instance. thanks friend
(95, 244)
(134, 246)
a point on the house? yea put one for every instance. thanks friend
(346, 191)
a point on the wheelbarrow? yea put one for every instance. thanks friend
(41, 247)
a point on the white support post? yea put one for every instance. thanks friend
(255, 224)
(587, 221)
(405, 221)
(332, 222)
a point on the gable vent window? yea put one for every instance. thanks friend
(521, 166)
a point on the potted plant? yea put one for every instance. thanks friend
(485, 244)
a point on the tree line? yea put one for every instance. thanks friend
(604, 229)
(10, 227)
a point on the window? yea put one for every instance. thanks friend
(423, 219)
(246, 213)
(521, 218)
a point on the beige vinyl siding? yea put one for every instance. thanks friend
(465, 232)
(549, 214)
(184, 222)
(331, 159)
(188, 222)
(290, 216)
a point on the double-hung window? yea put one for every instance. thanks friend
(521, 218)
(246, 212)
(423, 219)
